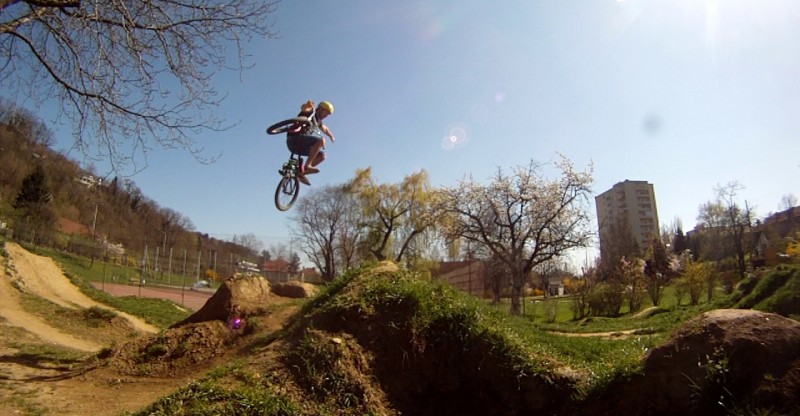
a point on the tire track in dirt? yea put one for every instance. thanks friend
(42, 277)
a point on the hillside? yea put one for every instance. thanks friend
(383, 341)
(98, 217)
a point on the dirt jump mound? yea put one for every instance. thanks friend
(200, 339)
(238, 295)
(723, 362)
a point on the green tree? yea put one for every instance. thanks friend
(395, 215)
(696, 276)
(679, 242)
(294, 263)
(130, 75)
(33, 204)
(523, 219)
(657, 269)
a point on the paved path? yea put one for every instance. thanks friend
(191, 299)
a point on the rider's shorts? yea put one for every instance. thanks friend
(301, 144)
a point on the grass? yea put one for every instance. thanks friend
(220, 394)
(100, 271)
(777, 291)
(435, 315)
(49, 355)
(470, 319)
(536, 311)
(159, 312)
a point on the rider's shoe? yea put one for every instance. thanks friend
(302, 178)
(311, 169)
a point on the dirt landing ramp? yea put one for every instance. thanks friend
(725, 361)
(249, 295)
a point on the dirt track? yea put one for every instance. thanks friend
(32, 383)
(41, 276)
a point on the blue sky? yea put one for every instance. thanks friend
(685, 94)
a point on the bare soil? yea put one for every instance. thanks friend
(48, 363)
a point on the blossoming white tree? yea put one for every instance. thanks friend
(523, 219)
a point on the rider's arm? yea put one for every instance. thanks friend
(328, 132)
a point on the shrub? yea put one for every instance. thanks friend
(606, 299)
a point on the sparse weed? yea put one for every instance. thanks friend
(711, 393)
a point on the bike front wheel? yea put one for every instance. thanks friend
(287, 192)
(285, 125)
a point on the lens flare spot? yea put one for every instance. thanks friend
(455, 135)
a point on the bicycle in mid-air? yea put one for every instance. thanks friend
(289, 186)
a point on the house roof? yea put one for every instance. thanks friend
(72, 227)
(278, 265)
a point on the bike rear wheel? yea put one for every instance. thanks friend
(285, 125)
(287, 192)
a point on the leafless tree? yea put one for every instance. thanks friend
(250, 242)
(787, 201)
(523, 219)
(26, 124)
(724, 224)
(280, 251)
(325, 228)
(739, 220)
(130, 75)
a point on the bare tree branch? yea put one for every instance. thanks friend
(131, 76)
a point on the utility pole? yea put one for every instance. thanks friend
(199, 254)
(169, 270)
(144, 271)
(94, 222)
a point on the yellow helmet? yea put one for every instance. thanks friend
(326, 105)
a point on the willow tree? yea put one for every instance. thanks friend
(523, 219)
(395, 215)
(130, 75)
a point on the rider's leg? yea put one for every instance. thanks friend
(315, 156)
(318, 159)
(314, 152)
(303, 146)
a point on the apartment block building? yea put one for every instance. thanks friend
(631, 201)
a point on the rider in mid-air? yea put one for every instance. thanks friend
(308, 140)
